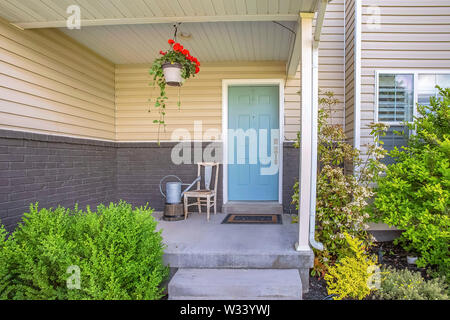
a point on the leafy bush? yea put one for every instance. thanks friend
(3, 268)
(341, 196)
(414, 195)
(407, 285)
(351, 276)
(117, 250)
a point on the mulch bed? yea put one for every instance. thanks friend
(390, 254)
(394, 256)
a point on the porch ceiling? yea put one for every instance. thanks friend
(215, 41)
(126, 31)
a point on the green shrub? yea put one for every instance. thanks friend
(407, 285)
(414, 195)
(351, 276)
(117, 250)
(341, 195)
(3, 265)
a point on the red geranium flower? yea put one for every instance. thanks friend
(176, 47)
(162, 52)
(198, 64)
(171, 41)
(185, 52)
(197, 69)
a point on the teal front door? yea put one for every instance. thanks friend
(253, 143)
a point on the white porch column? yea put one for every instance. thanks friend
(306, 134)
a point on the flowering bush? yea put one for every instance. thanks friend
(190, 66)
(414, 195)
(341, 196)
(352, 275)
(408, 285)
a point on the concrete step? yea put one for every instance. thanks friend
(253, 207)
(235, 284)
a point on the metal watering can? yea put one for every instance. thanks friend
(173, 189)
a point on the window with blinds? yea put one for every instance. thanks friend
(395, 97)
(396, 103)
(427, 86)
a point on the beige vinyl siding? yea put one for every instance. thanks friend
(51, 84)
(331, 57)
(413, 35)
(349, 69)
(292, 105)
(201, 99)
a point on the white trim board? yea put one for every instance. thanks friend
(225, 84)
(357, 77)
(157, 20)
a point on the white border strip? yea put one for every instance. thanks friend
(357, 77)
(225, 84)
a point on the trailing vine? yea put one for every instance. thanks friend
(190, 66)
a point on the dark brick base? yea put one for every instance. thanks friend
(141, 166)
(54, 170)
(291, 157)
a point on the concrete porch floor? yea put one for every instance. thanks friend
(198, 243)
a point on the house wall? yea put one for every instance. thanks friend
(349, 69)
(332, 57)
(411, 34)
(51, 84)
(51, 90)
(201, 99)
(53, 170)
(142, 165)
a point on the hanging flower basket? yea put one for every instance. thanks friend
(172, 68)
(172, 73)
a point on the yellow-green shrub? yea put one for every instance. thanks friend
(351, 276)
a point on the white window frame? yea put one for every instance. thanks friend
(415, 73)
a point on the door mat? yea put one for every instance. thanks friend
(234, 218)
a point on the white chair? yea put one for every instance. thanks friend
(207, 196)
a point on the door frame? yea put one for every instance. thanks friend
(251, 82)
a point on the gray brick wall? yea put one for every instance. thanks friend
(291, 159)
(56, 170)
(53, 171)
(141, 166)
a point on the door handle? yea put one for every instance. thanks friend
(275, 154)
